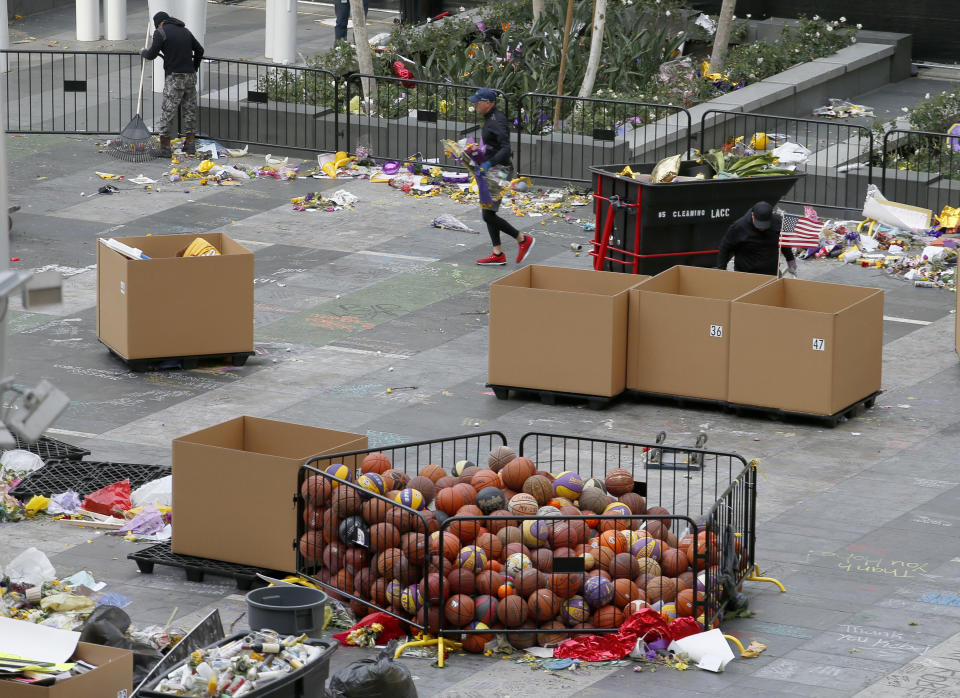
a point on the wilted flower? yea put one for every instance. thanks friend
(842, 20)
(816, 17)
(667, 13)
(829, 28)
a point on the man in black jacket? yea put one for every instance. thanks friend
(753, 240)
(182, 54)
(496, 137)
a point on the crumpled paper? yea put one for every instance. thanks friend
(18, 460)
(36, 504)
(31, 567)
(66, 602)
(64, 503)
(148, 522)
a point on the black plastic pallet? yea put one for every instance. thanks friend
(52, 449)
(183, 362)
(84, 477)
(551, 397)
(196, 568)
(772, 412)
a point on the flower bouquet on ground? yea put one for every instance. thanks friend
(492, 182)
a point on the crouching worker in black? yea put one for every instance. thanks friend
(182, 54)
(753, 240)
(496, 137)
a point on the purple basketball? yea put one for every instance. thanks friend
(486, 609)
(472, 558)
(412, 498)
(568, 484)
(647, 547)
(411, 599)
(597, 591)
(574, 610)
(394, 592)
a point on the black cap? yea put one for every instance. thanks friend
(484, 94)
(159, 17)
(762, 215)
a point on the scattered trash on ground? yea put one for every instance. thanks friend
(842, 109)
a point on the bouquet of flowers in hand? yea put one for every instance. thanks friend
(492, 182)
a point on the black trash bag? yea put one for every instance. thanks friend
(106, 626)
(376, 677)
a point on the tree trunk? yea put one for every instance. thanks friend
(722, 37)
(596, 48)
(364, 54)
(563, 62)
(537, 9)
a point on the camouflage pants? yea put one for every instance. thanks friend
(179, 89)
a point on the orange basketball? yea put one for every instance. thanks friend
(403, 520)
(567, 534)
(446, 481)
(491, 545)
(661, 589)
(449, 500)
(543, 605)
(488, 582)
(708, 548)
(375, 463)
(540, 488)
(375, 511)
(467, 492)
(594, 499)
(495, 565)
(512, 611)
(414, 546)
(316, 490)
(311, 545)
(660, 511)
(516, 473)
(673, 562)
(346, 501)
(619, 481)
(509, 535)
(394, 479)
(424, 486)
(527, 581)
(383, 536)
(604, 556)
(386, 559)
(624, 565)
(685, 580)
(542, 559)
(329, 524)
(467, 474)
(685, 600)
(625, 591)
(615, 540)
(313, 517)
(565, 585)
(476, 642)
(637, 504)
(608, 617)
(553, 633)
(484, 478)
(459, 610)
(464, 529)
(434, 472)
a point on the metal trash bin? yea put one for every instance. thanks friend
(646, 228)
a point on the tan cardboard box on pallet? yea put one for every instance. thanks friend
(112, 678)
(560, 329)
(170, 306)
(235, 487)
(679, 332)
(806, 346)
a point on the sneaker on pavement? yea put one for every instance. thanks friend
(494, 260)
(528, 242)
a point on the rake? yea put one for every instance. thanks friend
(135, 141)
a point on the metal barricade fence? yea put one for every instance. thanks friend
(86, 92)
(699, 504)
(921, 168)
(407, 119)
(838, 169)
(593, 132)
(269, 105)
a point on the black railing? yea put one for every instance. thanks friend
(921, 168)
(398, 119)
(839, 166)
(591, 132)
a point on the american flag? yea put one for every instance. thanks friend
(800, 231)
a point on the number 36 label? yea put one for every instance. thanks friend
(716, 330)
(819, 345)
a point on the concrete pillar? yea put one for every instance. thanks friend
(115, 24)
(4, 207)
(4, 41)
(194, 15)
(268, 28)
(172, 8)
(88, 20)
(285, 32)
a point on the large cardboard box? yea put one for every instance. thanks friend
(806, 346)
(113, 677)
(170, 306)
(235, 487)
(560, 329)
(679, 330)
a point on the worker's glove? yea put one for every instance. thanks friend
(792, 267)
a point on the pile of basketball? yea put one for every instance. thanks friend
(496, 572)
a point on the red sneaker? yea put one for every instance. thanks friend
(494, 260)
(528, 242)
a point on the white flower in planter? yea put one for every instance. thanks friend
(816, 17)
(749, 15)
(817, 35)
(829, 28)
(842, 20)
(760, 60)
(853, 39)
(859, 26)
(667, 13)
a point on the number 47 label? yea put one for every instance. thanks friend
(819, 344)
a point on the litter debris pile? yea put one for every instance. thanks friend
(842, 109)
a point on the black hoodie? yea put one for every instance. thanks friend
(181, 51)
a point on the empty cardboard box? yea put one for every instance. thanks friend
(805, 346)
(679, 331)
(235, 488)
(112, 678)
(562, 330)
(169, 306)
